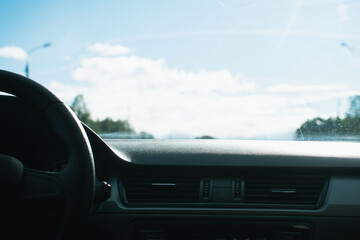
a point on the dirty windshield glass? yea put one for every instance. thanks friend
(224, 69)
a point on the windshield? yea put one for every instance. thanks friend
(223, 69)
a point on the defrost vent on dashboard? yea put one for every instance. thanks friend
(241, 192)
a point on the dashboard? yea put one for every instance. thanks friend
(223, 189)
(204, 189)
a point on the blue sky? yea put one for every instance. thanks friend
(228, 68)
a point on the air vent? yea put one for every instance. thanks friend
(162, 189)
(294, 190)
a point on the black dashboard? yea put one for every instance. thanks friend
(205, 189)
(214, 189)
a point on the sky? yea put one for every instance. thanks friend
(239, 69)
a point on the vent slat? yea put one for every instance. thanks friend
(161, 194)
(267, 190)
(297, 189)
(142, 190)
(161, 189)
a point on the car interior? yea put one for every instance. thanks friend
(60, 180)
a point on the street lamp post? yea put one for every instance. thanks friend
(350, 49)
(30, 52)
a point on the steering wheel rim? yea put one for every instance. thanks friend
(76, 182)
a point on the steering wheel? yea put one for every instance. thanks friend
(75, 183)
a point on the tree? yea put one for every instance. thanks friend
(80, 109)
(354, 110)
(205, 137)
(145, 135)
(331, 128)
(107, 125)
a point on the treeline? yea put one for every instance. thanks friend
(106, 125)
(336, 128)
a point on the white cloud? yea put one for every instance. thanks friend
(109, 50)
(13, 52)
(166, 101)
(343, 14)
(305, 88)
